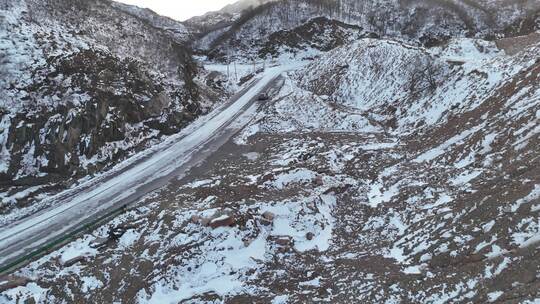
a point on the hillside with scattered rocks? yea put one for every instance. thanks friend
(395, 160)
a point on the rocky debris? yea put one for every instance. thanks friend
(318, 181)
(338, 189)
(99, 243)
(267, 218)
(446, 260)
(219, 219)
(73, 261)
(224, 220)
(285, 243)
(310, 236)
(195, 219)
(12, 281)
(116, 233)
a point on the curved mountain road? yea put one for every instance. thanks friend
(97, 197)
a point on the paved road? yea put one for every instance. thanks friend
(96, 197)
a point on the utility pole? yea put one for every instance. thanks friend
(228, 62)
(235, 71)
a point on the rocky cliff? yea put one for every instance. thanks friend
(84, 84)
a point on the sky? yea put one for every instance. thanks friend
(180, 9)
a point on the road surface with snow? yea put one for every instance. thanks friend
(99, 196)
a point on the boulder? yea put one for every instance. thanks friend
(267, 218)
(195, 219)
(10, 282)
(285, 241)
(318, 181)
(222, 221)
(73, 261)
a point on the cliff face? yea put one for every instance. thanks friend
(427, 23)
(85, 83)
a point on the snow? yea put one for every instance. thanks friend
(77, 249)
(289, 222)
(90, 283)
(442, 200)
(163, 163)
(533, 196)
(220, 218)
(5, 156)
(412, 270)
(221, 265)
(222, 286)
(200, 183)
(493, 296)
(377, 195)
(129, 238)
(314, 283)
(464, 178)
(295, 176)
(283, 299)
(30, 291)
(251, 156)
(440, 150)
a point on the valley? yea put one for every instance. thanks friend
(392, 159)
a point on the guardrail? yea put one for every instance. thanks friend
(19, 262)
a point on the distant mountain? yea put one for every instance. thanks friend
(238, 7)
(219, 21)
(428, 22)
(176, 28)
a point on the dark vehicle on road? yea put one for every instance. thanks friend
(263, 97)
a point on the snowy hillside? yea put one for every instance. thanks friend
(426, 22)
(394, 160)
(404, 86)
(316, 200)
(74, 100)
(175, 28)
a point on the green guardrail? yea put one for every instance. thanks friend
(61, 240)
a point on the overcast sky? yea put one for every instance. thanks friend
(180, 9)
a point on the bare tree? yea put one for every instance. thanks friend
(424, 76)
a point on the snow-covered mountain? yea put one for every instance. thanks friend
(425, 22)
(84, 83)
(206, 27)
(395, 161)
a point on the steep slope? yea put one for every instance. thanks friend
(426, 22)
(211, 24)
(175, 28)
(75, 100)
(296, 212)
(313, 38)
(404, 86)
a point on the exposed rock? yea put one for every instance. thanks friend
(222, 221)
(73, 261)
(195, 219)
(318, 181)
(269, 216)
(205, 221)
(285, 241)
(12, 281)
